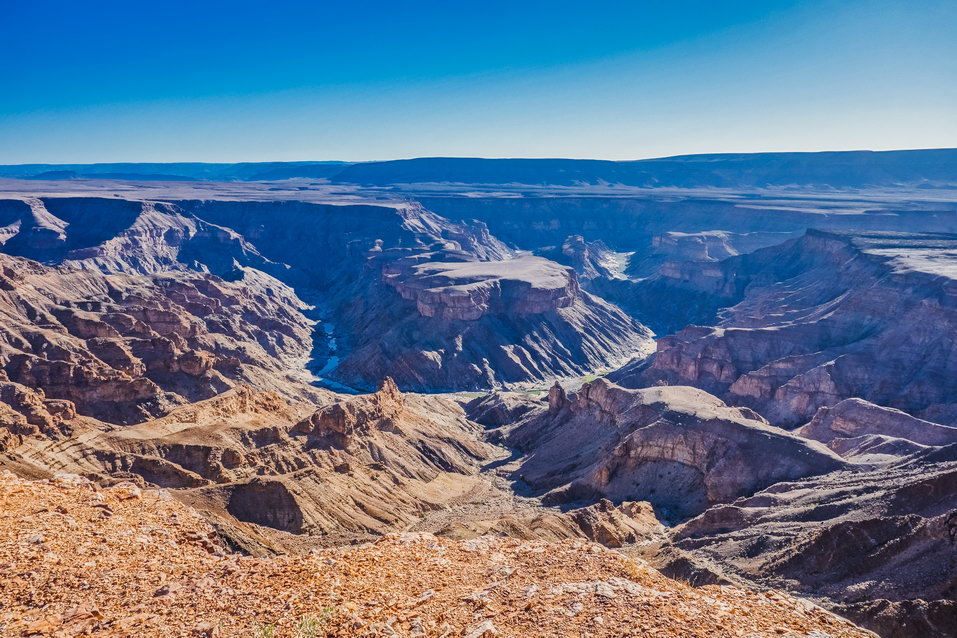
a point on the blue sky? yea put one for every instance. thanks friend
(256, 81)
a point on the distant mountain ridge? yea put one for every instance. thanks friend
(929, 168)
(842, 169)
(173, 171)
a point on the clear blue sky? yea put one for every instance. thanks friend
(281, 80)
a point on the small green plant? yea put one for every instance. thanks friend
(311, 626)
(308, 627)
(632, 569)
(264, 631)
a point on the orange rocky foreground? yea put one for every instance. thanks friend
(79, 560)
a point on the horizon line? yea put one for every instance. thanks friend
(479, 157)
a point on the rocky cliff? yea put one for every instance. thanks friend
(378, 277)
(122, 348)
(880, 544)
(678, 448)
(476, 324)
(469, 290)
(820, 319)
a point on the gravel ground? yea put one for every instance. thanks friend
(78, 560)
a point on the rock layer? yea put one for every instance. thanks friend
(821, 319)
(853, 422)
(279, 476)
(678, 448)
(125, 348)
(880, 544)
(436, 304)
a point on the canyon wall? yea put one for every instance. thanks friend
(123, 348)
(380, 277)
(817, 320)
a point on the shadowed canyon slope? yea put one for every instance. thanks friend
(434, 304)
(819, 319)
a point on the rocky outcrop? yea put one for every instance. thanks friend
(855, 426)
(343, 421)
(27, 412)
(605, 523)
(676, 447)
(275, 475)
(712, 245)
(821, 319)
(705, 246)
(590, 259)
(879, 544)
(467, 291)
(499, 408)
(126, 348)
(475, 325)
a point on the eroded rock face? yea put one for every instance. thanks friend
(676, 447)
(499, 408)
(435, 304)
(880, 544)
(117, 235)
(855, 427)
(341, 422)
(479, 324)
(125, 348)
(268, 503)
(821, 319)
(604, 522)
(590, 259)
(467, 291)
(705, 246)
(276, 475)
(27, 412)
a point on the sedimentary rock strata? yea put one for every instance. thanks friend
(467, 291)
(474, 324)
(604, 522)
(380, 276)
(123, 348)
(267, 471)
(880, 544)
(820, 319)
(855, 426)
(795, 428)
(676, 447)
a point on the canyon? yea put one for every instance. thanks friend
(736, 371)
